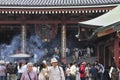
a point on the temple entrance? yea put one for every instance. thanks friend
(109, 55)
(46, 42)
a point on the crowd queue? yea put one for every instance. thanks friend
(56, 71)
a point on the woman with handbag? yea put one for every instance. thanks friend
(29, 74)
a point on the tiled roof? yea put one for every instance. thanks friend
(46, 3)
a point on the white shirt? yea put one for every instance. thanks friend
(73, 70)
(68, 71)
(22, 68)
(110, 71)
(35, 69)
(56, 73)
(42, 75)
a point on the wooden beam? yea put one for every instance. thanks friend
(57, 9)
(105, 32)
(39, 22)
(54, 10)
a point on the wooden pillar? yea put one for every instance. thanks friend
(63, 43)
(98, 56)
(104, 56)
(116, 51)
(36, 29)
(23, 49)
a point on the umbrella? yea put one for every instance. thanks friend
(20, 55)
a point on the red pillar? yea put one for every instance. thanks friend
(116, 51)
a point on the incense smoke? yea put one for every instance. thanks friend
(33, 46)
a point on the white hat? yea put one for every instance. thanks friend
(53, 60)
(29, 64)
(44, 61)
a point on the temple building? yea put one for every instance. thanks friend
(53, 21)
(106, 36)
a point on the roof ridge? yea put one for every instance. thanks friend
(56, 2)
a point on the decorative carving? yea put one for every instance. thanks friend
(45, 32)
(83, 33)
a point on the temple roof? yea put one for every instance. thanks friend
(56, 6)
(108, 23)
(46, 3)
(106, 19)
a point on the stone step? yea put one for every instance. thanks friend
(90, 60)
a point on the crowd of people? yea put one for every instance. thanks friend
(75, 52)
(53, 70)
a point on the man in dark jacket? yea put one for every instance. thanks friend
(94, 72)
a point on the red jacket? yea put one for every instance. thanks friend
(82, 71)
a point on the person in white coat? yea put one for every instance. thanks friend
(56, 72)
(41, 75)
